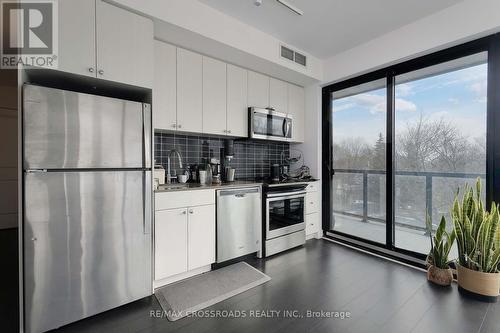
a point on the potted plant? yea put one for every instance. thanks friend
(438, 270)
(478, 240)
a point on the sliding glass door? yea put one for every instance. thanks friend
(440, 142)
(400, 142)
(358, 188)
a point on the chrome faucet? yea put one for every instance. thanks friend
(175, 152)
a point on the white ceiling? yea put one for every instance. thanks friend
(329, 27)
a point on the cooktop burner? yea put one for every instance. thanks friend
(288, 181)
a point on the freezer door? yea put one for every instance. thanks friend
(87, 247)
(65, 129)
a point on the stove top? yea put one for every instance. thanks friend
(290, 181)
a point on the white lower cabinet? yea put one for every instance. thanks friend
(184, 233)
(312, 202)
(312, 223)
(312, 210)
(201, 236)
(171, 237)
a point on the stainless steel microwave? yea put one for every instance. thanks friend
(269, 124)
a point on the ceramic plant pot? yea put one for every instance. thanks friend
(479, 283)
(439, 276)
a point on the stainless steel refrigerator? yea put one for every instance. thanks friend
(87, 205)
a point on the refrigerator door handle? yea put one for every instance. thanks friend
(35, 170)
(146, 129)
(147, 202)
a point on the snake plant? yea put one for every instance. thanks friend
(441, 244)
(477, 231)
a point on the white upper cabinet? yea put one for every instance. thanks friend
(214, 96)
(237, 101)
(100, 40)
(189, 91)
(165, 86)
(199, 94)
(258, 90)
(296, 107)
(278, 95)
(77, 37)
(124, 46)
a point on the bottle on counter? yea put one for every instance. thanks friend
(194, 173)
(209, 175)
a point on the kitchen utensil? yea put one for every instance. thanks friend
(182, 178)
(284, 170)
(203, 176)
(275, 172)
(159, 172)
(294, 159)
(194, 173)
(209, 175)
(229, 148)
(216, 179)
(230, 172)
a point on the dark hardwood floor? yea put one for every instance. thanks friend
(9, 281)
(381, 296)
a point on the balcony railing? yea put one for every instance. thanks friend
(429, 177)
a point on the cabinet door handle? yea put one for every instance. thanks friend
(101, 72)
(191, 211)
(312, 203)
(179, 126)
(174, 125)
(229, 131)
(183, 212)
(91, 70)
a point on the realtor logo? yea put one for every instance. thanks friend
(29, 33)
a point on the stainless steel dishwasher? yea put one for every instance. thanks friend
(239, 223)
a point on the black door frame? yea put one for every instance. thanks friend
(491, 44)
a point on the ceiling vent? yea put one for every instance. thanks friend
(294, 56)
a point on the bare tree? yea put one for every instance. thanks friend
(438, 145)
(352, 153)
(423, 145)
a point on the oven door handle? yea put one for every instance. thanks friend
(288, 195)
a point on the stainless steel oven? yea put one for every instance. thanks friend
(284, 217)
(270, 125)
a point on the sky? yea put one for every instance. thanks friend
(458, 97)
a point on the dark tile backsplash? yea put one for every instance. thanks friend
(252, 159)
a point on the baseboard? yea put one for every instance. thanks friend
(317, 235)
(374, 254)
(178, 277)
